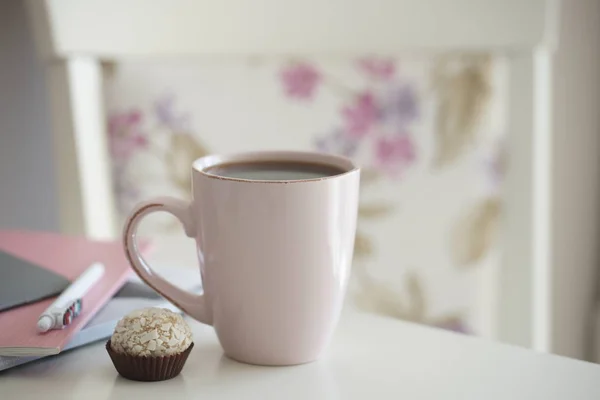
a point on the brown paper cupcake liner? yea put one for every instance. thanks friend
(148, 369)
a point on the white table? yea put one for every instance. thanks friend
(371, 358)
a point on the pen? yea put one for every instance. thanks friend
(68, 305)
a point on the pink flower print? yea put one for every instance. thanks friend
(361, 115)
(300, 80)
(495, 165)
(337, 142)
(382, 69)
(400, 104)
(166, 115)
(125, 135)
(455, 325)
(393, 155)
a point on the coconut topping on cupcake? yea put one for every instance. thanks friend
(152, 332)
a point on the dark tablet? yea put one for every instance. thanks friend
(22, 282)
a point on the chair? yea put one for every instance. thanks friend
(77, 40)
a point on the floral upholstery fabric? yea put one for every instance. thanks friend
(427, 131)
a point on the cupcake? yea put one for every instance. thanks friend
(151, 344)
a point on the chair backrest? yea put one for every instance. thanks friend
(76, 37)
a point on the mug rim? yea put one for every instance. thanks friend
(345, 164)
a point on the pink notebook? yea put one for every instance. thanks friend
(67, 256)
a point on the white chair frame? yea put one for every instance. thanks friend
(75, 36)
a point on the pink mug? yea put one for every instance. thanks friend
(274, 255)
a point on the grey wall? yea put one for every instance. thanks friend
(576, 177)
(27, 184)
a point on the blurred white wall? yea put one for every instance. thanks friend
(576, 177)
(27, 183)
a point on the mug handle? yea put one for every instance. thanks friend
(193, 305)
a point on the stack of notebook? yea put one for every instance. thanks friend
(35, 267)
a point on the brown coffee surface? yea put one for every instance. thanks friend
(274, 170)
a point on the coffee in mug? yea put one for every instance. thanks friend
(274, 170)
(275, 236)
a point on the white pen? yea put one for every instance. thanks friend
(68, 305)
